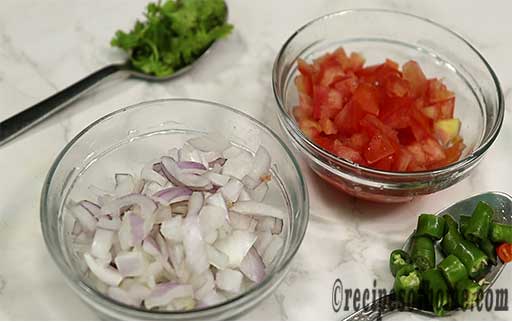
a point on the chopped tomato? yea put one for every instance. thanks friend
(378, 116)
(504, 252)
(346, 152)
(379, 147)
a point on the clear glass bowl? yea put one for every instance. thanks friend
(381, 34)
(128, 138)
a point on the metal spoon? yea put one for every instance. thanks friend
(23, 121)
(502, 205)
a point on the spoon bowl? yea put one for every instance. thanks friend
(502, 205)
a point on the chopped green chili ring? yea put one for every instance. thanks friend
(449, 223)
(463, 221)
(468, 293)
(436, 290)
(430, 226)
(407, 284)
(501, 233)
(423, 254)
(478, 226)
(489, 249)
(397, 260)
(470, 255)
(453, 270)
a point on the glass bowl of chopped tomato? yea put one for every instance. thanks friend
(386, 105)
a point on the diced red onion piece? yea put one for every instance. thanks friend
(172, 195)
(261, 164)
(174, 153)
(84, 217)
(217, 258)
(150, 175)
(278, 227)
(163, 247)
(162, 214)
(172, 229)
(165, 293)
(252, 225)
(102, 195)
(178, 177)
(189, 153)
(130, 264)
(217, 200)
(212, 298)
(238, 166)
(217, 164)
(102, 243)
(232, 152)
(244, 196)
(272, 250)
(229, 280)
(105, 222)
(117, 206)
(236, 246)
(91, 207)
(106, 274)
(195, 247)
(131, 232)
(150, 246)
(238, 221)
(266, 223)
(209, 143)
(259, 193)
(124, 184)
(231, 191)
(257, 209)
(264, 239)
(217, 179)
(250, 183)
(252, 266)
(191, 167)
(212, 217)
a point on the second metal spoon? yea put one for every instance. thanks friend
(502, 205)
(21, 122)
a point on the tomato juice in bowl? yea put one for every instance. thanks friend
(442, 55)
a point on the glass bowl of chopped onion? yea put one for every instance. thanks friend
(385, 105)
(174, 209)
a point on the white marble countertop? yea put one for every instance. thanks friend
(47, 45)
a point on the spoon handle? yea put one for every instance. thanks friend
(21, 122)
(375, 310)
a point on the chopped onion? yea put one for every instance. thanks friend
(229, 280)
(257, 209)
(91, 207)
(217, 258)
(84, 217)
(238, 166)
(236, 246)
(252, 266)
(106, 274)
(191, 231)
(172, 195)
(259, 193)
(231, 191)
(217, 179)
(165, 293)
(207, 144)
(102, 243)
(118, 206)
(261, 164)
(130, 263)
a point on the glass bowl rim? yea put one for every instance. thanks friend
(103, 300)
(313, 149)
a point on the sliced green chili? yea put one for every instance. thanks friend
(423, 254)
(478, 226)
(489, 249)
(501, 233)
(463, 221)
(435, 287)
(469, 254)
(449, 223)
(453, 270)
(407, 284)
(468, 293)
(430, 226)
(397, 260)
